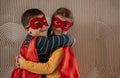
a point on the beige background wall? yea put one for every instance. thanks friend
(96, 30)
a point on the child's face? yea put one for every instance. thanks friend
(38, 26)
(61, 25)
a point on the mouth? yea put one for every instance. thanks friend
(58, 31)
(43, 30)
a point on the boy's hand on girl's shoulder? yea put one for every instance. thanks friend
(74, 41)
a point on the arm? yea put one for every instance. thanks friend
(48, 44)
(43, 68)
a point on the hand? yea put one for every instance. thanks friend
(21, 59)
(16, 61)
(74, 42)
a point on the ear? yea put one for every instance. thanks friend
(27, 30)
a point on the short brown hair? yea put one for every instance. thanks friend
(65, 13)
(28, 14)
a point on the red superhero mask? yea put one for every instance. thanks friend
(64, 25)
(37, 22)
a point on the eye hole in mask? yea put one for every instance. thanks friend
(37, 22)
(64, 25)
(57, 23)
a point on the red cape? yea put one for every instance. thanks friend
(30, 54)
(69, 66)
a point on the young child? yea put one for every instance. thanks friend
(37, 44)
(62, 20)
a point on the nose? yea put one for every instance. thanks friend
(44, 27)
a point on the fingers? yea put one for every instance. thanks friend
(17, 57)
(74, 42)
(21, 56)
(17, 60)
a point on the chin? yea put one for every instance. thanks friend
(44, 34)
(58, 33)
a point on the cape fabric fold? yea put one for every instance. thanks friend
(30, 54)
(69, 66)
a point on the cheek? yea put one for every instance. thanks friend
(47, 27)
(64, 32)
(36, 31)
(53, 28)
